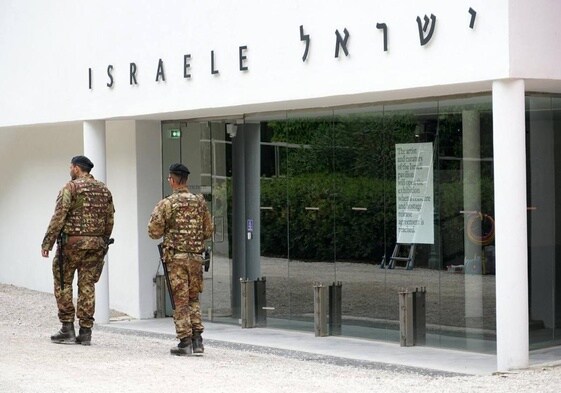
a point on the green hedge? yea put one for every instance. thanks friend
(335, 230)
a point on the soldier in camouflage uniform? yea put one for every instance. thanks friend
(81, 225)
(184, 221)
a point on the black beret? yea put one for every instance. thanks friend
(179, 170)
(82, 161)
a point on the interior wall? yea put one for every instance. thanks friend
(35, 166)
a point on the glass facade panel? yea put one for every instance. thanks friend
(362, 196)
(275, 264)
(342, 175)
(543, 145)
(216, 146)
(466, 211)
(410, 147)
(206, 150)
(342, 188)
(310, 199)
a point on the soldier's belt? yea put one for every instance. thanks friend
(83, 234)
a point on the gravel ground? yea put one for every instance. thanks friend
(119, 362)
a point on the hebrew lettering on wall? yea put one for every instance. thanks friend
(425, 36)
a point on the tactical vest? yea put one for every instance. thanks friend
(185, 226)
(88, 213)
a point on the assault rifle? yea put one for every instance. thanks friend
(59, 243)
(166, 274)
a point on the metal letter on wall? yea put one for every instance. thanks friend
(132, 79)
(160, 72)
(341, 42)
(186, 65)
(472, 19)
(212, 70)
(423, 28)
(384, 28)
(243, 58)
(109, 71)
(306, 39)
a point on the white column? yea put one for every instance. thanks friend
(94, 149)
(509, 145)
(471, 146)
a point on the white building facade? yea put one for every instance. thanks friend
(256, 97)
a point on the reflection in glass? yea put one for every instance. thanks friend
(328, 213)
(205, 148)
(543, 147)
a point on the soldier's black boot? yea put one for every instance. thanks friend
(197, 343)
(183, 348)
(85, 336)
(65, 335)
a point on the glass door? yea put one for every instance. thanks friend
(205, 148)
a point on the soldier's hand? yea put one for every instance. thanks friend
(45, 253)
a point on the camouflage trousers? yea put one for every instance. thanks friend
(84, 255)
(186, 278)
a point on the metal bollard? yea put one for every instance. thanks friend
(320, 310)
(335, 318)
(412, 317)
(405, 318)
(247, 303)
(419, 320)
(261, 302)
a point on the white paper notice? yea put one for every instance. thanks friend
(414, 193)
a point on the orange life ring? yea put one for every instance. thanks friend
(482, 239)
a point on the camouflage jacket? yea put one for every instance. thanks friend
(183, 220)
(84, 207)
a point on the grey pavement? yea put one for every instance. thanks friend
(344, 350)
